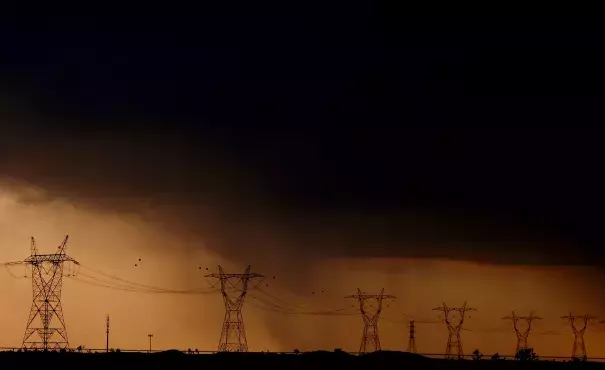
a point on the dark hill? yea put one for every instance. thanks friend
(311, 360)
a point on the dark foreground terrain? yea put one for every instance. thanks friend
(313, 360)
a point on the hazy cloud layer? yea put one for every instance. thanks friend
(238, 204)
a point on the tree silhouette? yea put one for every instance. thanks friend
(526, 354)
(477, 355)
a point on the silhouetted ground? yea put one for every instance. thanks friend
(312, 360)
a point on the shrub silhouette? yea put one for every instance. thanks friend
(477, 355)
(526, 354)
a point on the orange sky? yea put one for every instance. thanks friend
(113, 243)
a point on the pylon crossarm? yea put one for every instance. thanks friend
(234, 276)
(15, 263)
(52, 258)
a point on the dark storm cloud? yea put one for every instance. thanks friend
(363, 143)
(246, 207)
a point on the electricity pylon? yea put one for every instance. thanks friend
(453, 348)
(412, 339)
(579, 347)
(233, 335)
(522, 335)
(370, 317)
(107, 334)
(47, 281)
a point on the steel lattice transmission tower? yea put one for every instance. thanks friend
(453, 348)
(579, 346)
(107, 334)
(522, 335)
(46, 325)
(233, 335)
(370, 339)
(412, 339)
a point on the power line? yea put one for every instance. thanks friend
(293, 311)
(120, 282)
(116, 283)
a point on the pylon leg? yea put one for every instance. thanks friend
(233, 335)
(448, 347)
(370, 340)
(453, 350)
(459, 352)
(579, 347)
(522, 341)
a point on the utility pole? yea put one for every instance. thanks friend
(412, 340)
(47, 282)
(107, 335)
(150, 336)
(233, 334)
(522, 335)
(454, 342)
(370, 339)
(579, 347)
